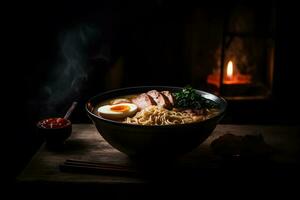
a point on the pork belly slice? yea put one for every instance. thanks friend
(169, 95)
(118, 101)
(160, 99)
(143, 101)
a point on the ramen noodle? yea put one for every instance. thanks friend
(155, 115)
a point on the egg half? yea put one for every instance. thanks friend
(117, 111)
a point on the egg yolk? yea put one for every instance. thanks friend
(120, 108)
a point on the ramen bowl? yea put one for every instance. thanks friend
(145, 141)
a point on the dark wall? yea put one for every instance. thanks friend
(143, 37)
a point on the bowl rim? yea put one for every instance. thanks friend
(222, 112)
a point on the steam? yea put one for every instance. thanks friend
(70, 73)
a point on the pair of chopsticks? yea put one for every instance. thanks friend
(80, 166)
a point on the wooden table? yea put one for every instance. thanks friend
(201, 164)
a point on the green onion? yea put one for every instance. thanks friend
(189, 98)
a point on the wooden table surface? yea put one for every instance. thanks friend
(86, 143)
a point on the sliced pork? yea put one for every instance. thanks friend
(118, 101)
(143, 100)
(160, 99)
(168, 94)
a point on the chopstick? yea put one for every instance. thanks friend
(89, 163)
(80, 166)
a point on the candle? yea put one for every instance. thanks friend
(229, 71)
(231, 76)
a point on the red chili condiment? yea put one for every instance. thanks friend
(54, 123)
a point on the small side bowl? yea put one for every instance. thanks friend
(55, 135)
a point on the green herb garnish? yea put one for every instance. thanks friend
(189, 98)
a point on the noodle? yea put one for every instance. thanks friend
(155, 115)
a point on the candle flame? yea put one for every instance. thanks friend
(229, 71)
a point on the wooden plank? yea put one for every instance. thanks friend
(87, 144)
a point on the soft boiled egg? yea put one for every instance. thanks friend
(117, 111)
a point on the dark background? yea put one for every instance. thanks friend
(142, 36)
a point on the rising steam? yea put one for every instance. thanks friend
(67, 77)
